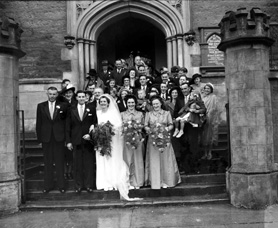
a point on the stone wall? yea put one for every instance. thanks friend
(44, 26)
(45, 23)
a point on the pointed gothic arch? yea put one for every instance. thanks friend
(100, 14)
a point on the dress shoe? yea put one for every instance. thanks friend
(89, 190)
(78, 190)
(62, 190)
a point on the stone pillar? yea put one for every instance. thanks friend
(92, 54)
(174, 48)
(81, 64)
(10, 52)
(169, 53)
(252, 178)
(87, 56)
(180, 50)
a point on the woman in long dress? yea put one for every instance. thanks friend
(134, 156)
(210, 128)
(161, 170)
(112, 171)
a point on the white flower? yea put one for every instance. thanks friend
(58, 106)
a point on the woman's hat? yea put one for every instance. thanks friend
(69, 87)
(210, 86)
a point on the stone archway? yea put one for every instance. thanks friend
(98, 15)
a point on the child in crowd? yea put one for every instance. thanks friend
(142, 101)
(193, 112)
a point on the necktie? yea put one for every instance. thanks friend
(51, 110)
(81, 112)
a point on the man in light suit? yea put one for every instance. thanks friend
(79, 121)
(50, 128)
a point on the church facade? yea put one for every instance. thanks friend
(65, 39)
(169, 32)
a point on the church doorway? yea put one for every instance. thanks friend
(132, 35)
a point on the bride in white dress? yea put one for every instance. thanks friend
(112, 172)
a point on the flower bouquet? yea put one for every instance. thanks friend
(160, 136)
(102, 137)
(132, 133)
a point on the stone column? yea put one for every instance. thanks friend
(174, 48)
(87, 56)
(180, 50)
(93, 54)
(81, 64)
(10, 52)
(252, 178)
(169, 53)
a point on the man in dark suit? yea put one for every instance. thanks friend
(50, 128)
(164, 92)
(80, 120)
(189, 141)
(105, 73)
(118, 72)
(142, 85)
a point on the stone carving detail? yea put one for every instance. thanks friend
(10, 32)
(81, 6)
(177, 4)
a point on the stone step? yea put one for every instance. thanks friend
(117, 203)
(182, 189)
(36, 182)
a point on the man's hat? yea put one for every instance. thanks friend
(175, 69)
(92, 72)
(69, 87)
(104, 63)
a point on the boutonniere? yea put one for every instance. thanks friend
(58, 106)
(87, 109)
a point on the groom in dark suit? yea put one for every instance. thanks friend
(50, 128)
(80, 119)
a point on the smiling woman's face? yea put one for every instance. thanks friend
(156, 104)
(130, 104)
(103, 103)
(207, 90)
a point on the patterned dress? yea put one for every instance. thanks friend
(134, 157)
(161, 167)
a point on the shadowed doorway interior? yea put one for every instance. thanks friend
(132, 34)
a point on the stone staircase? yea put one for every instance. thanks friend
(207, 187)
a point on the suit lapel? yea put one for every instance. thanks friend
(55, 110)
(46, 109)
(75, 112)
(85, 112)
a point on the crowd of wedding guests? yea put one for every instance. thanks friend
(185, 105)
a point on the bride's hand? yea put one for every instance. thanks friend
(92, 127)
(86, 137)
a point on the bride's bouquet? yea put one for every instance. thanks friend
(102, 138)
(160, 136)
(132, 133)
